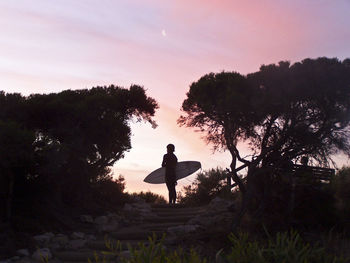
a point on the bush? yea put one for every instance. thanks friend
(149, 197)
(340, 187)
(287, 247)
(207, 186)
(109, 190)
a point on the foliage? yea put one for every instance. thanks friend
(206, 187)
(282, 112)
(65, 143)
(153, 252)
(17, 151)
(16, 158)
(149, 197)
(286, 247)
(110, 190)
(340, 187)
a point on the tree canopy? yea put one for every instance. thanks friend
(283, 111)
(76, 134)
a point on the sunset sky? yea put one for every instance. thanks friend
(163, 45)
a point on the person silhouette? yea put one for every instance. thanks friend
(169, 162)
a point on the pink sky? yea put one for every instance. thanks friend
(163, 45)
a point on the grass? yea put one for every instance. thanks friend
(285, 247)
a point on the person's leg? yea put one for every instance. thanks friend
(168, 185)
(173, 193)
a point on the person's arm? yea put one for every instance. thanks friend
(175, 173)
(164, 160)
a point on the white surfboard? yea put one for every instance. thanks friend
(183, 169)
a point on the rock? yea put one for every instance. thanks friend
(182, 229)
(43, 239)
(110, 227)
(77, 235)
(90, 237)
(23, 252)
(77, 243)
(218, 204)
(142, 207)
(101, 220)
(86, 219)
(59, 241)
(50, 234)
(42, 253)
(25, 260)
(202, 220)
(128, 207)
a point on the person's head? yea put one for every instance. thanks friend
(170, 148)
(304, 160)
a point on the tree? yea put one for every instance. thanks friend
(78, 134)
(16, 160)
(282, 111)
(220, 105)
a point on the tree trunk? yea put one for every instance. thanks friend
(235, 176)
(247, 195)
(6, 192)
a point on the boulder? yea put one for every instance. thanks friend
(202, 220)
(77, 243)
(43, 239)
(220, 205)
(86, 219)
(24, 260)
(77, 235)
(42, 253)
(110, 227)
(182, 229)
(23, 252)
(101, 220)
(90, 237)
(59, 241)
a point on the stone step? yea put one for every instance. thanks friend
(179, 213)
(136, 234)
(172, 210)
(83, 255)
(174, 206)
(166, 219)
(159, 226)
(101, 244)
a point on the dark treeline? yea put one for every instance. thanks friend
(60, 146)
(283, 112)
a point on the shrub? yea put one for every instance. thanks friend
(287, 247)
(206, 187)
(149, 197)
(340, 186)
(109, 190)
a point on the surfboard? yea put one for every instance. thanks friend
(183, 169)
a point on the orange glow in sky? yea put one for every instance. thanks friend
(50, 46)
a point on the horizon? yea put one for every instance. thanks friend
(164, 47)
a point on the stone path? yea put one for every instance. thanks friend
(131, 226)
(164, 219)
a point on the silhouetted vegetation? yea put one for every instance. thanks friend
(57, 151)
(283, 112)
(59, 147)
(287, 247)
(207, 185)
(149, 197)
